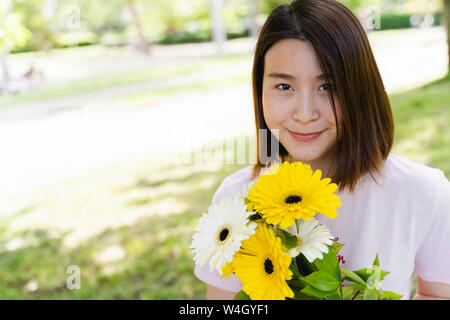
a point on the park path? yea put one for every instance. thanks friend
(76, 102)
(41, 145)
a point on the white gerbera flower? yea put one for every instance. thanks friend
(219, 233)
(312, 239)
(247, 187)
(244, 194)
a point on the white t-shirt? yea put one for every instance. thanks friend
(406, 221)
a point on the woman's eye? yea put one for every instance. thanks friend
(328, 86)
(284, 87)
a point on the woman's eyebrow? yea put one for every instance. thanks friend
(281, 75)
(289, 76)
(321, 76)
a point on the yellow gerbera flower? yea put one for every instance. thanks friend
(227, 270)
(292, 191)
(262, 265)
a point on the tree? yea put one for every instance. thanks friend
(144, 46)
(33, 18)
(219, 34)
(447, 23)
(12, 33)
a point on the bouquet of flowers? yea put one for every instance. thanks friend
(268, 238)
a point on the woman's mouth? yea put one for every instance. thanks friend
(305, 137)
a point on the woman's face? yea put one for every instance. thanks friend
(295, 100)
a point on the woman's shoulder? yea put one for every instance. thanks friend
(233, 184)
(405, 171)
(419, 181)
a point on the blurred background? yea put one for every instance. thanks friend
(115, 117)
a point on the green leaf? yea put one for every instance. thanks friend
(314, 292)
(370, 294)
(304, 266)
(329, 263)
(288, 240)
(297, 283)
(322, 281)
(311, 291)
(376, 262)
(348, 292)
(391, 295)
(365, 274)
(333, 296)
(242, 296)
(294, 268)
(351, 276)
(336, 247)
(371, 275)
(302, 296)
(359, 295)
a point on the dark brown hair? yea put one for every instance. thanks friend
(366, 130)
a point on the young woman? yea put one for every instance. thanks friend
(318, 92)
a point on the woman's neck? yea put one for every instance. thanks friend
(324, 165)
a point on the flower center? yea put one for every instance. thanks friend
(293, 199)
(268, 266)
(255, 216)
(223, 234)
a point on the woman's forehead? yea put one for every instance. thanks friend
(294, 57)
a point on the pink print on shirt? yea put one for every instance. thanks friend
(340, 258)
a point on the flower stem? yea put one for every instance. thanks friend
(357, 292)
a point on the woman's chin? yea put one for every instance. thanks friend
(302, 157)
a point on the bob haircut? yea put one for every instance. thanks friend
(366, 130)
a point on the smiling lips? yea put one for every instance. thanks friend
(305, 137)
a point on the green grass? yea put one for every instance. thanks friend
(152, 97)
(408, 35)
(146, 74)
(422, 118)
(165, 202)
(148, 210)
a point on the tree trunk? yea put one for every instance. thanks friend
(144, 45)
(447, 24)
(4, 54)
(254, 28)
(5, 71)
(219, 34)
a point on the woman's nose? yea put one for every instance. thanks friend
(305, 110)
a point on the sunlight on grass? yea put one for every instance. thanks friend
(137, 75)
(422, 131)
(89, 206)
(147, 258)
(157, 96)
(422, 118)
(406, 36)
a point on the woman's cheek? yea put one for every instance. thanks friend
(271, 116)
(273, 112)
